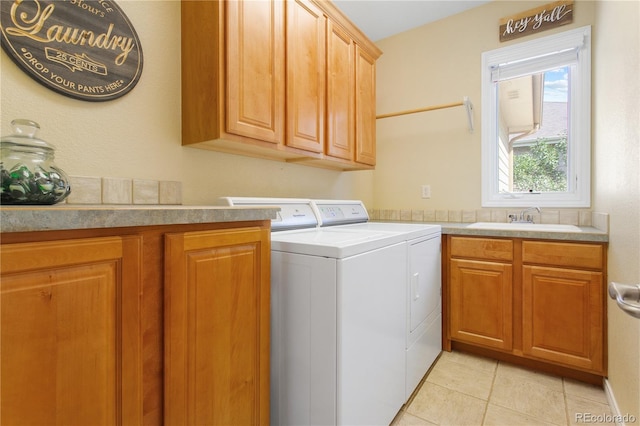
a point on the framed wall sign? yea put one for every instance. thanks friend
(84, 49)
(532, 21)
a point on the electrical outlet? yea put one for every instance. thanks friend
(426, 191)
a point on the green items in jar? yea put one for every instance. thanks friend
(27, 172)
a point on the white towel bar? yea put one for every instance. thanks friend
(465, 102)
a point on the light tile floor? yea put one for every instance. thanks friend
(467, 390)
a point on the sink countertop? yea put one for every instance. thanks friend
(586, 233)
(67, 217)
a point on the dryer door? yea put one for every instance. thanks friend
(424, 280)
(424, 322)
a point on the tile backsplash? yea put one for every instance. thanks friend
(124, 191)
(145, 191)
(117, 191)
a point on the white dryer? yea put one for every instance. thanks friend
(424, 297)
(342, 300)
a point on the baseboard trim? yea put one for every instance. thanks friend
(613, 405)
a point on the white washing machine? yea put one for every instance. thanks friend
(354, 311)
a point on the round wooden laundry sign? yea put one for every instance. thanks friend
(84, 49)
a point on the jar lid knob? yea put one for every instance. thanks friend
(25, 127)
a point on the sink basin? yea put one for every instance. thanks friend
(541, 227)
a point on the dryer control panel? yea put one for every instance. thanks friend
(340, 212)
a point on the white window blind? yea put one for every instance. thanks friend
(535, 65)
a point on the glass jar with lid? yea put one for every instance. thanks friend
(28, 174)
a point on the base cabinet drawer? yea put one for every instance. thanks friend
(573, 255)
(482, 248)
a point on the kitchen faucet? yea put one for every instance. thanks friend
(522, 218)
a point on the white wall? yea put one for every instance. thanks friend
(616, 179)
(439, 63)
(138, 135)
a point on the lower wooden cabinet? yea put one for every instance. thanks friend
(139, 325)
(217, 328)
(71, 335)
(537, 300)
(481, 303)
(562, 316)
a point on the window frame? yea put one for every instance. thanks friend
(579, 126)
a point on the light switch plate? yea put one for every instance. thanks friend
(426, 191)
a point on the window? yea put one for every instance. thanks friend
(536, 122)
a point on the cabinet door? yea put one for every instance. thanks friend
(306, 76)
(217, 327)
(365, 107)
(563, 316)
(255, 66)
(340, 93)
(71, 335)
(481, 303)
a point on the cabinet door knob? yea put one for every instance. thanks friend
(627, 296)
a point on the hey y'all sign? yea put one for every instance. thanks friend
(535, 20)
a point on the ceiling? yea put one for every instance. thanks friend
(379, 19)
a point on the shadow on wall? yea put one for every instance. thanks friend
(213, 175)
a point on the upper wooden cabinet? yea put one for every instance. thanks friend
(291, 81)
(306, 76)
(365, 107)
(340, 96)
(233, 91)
(255, 64)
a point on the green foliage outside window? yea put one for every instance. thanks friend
(541, 168)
